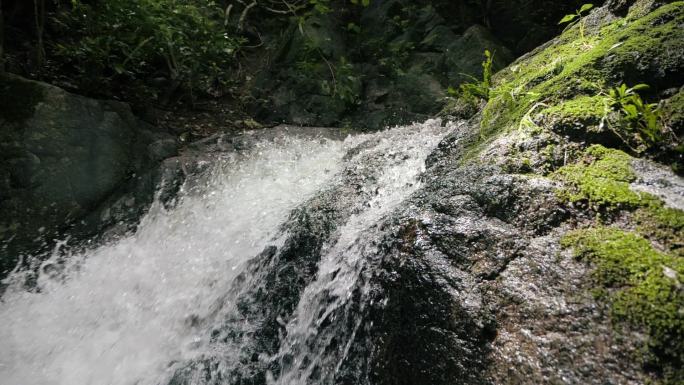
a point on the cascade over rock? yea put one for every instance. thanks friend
(529, 243)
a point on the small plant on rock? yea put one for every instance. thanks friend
(577, 17)
(641, 121)
(479, 89)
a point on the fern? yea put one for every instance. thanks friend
(480, 89)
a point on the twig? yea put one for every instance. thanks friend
(244, 14)
(227, 15)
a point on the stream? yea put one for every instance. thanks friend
(181, 300)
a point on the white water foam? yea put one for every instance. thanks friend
(124, 313)
(306, 352)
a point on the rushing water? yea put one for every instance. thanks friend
(130, 312)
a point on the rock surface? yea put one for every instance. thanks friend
(487, 274)
(61, 157)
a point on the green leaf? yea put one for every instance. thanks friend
(622, 91)
(586, 7)
(353, 28)
(631, 110)
(640, 87)
(567, 19)
(365, 3)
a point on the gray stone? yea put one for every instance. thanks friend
(65, 155)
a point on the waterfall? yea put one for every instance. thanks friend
(137, 310)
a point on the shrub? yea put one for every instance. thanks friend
(181, 41)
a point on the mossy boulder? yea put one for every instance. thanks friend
(674, 114)
(643, 47)
(638, 262)
(602, 177)
(645, 289)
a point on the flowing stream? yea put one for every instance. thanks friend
(134, 310)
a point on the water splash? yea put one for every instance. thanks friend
(314, 347)
(134, 311)
(120, 314)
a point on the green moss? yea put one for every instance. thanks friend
(583, 111)
(634, 49)
(602, 178)
(662, 224)
(583, 107)
(18, 98)
(643, 287)
(673, 111)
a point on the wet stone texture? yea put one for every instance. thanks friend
(479, 291)
(463, 283)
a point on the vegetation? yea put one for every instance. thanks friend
(644, 289)
(602, 178)
(569, 71)
(640, 120)
(641, 283)
(182, 43)
(577, 17)
(478, 89)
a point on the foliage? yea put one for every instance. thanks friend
(479, 88)
(345, 85)
(364, 3)
(576, 17)
(639, 119)
(132, 40)
(561, 72)
(664, 225)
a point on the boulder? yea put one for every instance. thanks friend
(61, 156)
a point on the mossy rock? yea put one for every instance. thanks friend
(674, 114)
(664, 225)
(602, 178)
(644, 288)
(585, 118)
(636, 49)
(639, 269)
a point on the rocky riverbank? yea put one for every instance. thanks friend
(542, 242)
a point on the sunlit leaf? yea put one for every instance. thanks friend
(586, 7)
(567, 19)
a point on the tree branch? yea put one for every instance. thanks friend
(241, 22)
(227, 15)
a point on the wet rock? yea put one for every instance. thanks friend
(63, 155)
